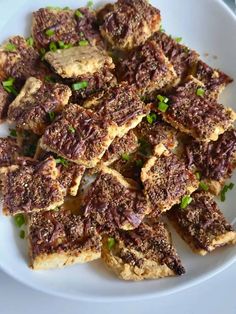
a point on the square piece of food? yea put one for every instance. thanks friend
(215, 160)
(146, 68)
(36, 101)
(128, 24)
(59, 238)
(79, 135)
(144, 253)
(31, 187)
(192, 112)
(181, 57)
(201, 224)
(64, 26)
(112, 202)
(166, 180)
(9, 151)
(120, 147)
(121, 105)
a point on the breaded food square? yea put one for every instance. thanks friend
(128, 24)
(9, 151)
(146, 68)
(215, 160)
(144, 253)
(197, 115)
(181, 57)
(60, 238)
(166, 180)
(20, 60)
(79, 135)
(112, 202)
(31, 109)
(214, 80)
(201, 224)
(121, 105)
(120, 146)
(31, 187)
(64, 25)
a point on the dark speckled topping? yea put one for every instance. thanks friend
(69, 174)
(179, 55)
(9, 151)
(215, 160)
(112, 205)
(60, 231)
(153, 241)
(201, 221)
(5, 100)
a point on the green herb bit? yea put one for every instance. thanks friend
(13, 132)
(19, 220)
(231, 186)
(51, 116)
(10, 47)
(30, 41)
(79, 85)
(161, 29)
(178, 39)
(62, 161)
(53, 46)
(198, 175)
(186, 200)
(8, 86)
(151, 118)
(49, 78)
(203, 186)
(139, 163)
(42, 52)
(68, 46)
(225, 189)
(125, 157)
(200, 92)
(71, 129)
(111, 243)
(90, 4)
(162, 106)
(49, 32)
(83, 43)
(79, 14)
(22, 234)
(9, 82)
(162, 99)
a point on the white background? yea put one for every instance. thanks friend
(217, 295)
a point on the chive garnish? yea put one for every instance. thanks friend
(13, 132)
(79, 14)
(162, 106)
(10, 47)
(22, 234)
(51, 115)
(52, 46)
(125, 157)
(198, 175)
(19, 220)
(186, 200)
(161, 29)
(200, 92)
(9, 82)
(61, 44)
(8, 86)
(30, 41)
(111, 243)
(178, 39)
(62, 161)
(203, 186)
(83, 43)
(71, 129)
(79, 85)
(49, 32)
(90, 4)
(42, 52)
(225, 189)
(162, 99)
(151, 118)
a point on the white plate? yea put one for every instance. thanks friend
(209, 27)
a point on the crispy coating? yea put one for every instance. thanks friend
(9, 151)
(31, 187)
(128, 24)
(143, 253)
(31, 109)
(79, 135)
(147, 68)
(5, 100)
(201, 224)
(59, 238)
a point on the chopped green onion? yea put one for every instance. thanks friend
(79, 85)
(90, 4)
(30, 41)
(125, 157)
(10, 47)
(49, 32)
(200, 92)
(225, 189)
(61, 44)
(162, 99)
(162, 106)
(186, 200)
(49, 78)
(71, 129)
(19, 220)
(53, 46)
(178, 39)
(111, 243)
(83, 43)
(151, 118)
(42, 52)
(198, 175)
(62, 161)
(51, 115)
(22, 234)
(203, 186)
(66, 46)
(13, 132)
(8, 86)
(79, 14)
(139, 163)
(8, 82)
(231, 186)
(161, 29)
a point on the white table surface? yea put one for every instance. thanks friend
(217, 295)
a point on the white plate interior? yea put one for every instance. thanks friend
(205, 25)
